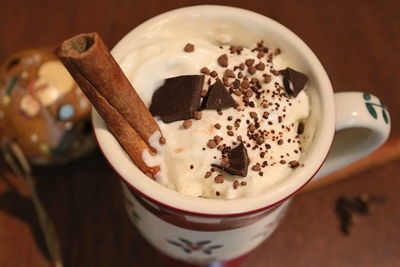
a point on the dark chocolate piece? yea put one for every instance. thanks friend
(218, 97)
(238, 161)
(293, 81)
(178, 98)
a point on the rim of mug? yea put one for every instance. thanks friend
(160, 195)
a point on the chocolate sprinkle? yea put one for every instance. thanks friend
(223, 60)
(187, 124)
(300, 128)
(260, 66)
(294, 164)
(256, 168)
(249, 62)
(218, 97)
(219, 179)
(229, 73)
(189, 48)
(197, 115)
(211, 143)
(251, 70)
(236, 84)
(205, 70)
(178, 98)
(293, 81)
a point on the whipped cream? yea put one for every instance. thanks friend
(186, 159)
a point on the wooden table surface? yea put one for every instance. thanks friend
(358, 43)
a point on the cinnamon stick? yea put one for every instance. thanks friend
(94, 61)
(81, 56)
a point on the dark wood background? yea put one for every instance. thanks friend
(358, 43)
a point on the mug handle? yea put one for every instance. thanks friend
(362, 125)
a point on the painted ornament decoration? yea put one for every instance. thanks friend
(42, 109)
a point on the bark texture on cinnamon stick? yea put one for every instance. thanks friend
(94, 61)
(101, 79)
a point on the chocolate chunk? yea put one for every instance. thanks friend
(293, 81)
(238, 161)
(178, 98)
(218, 97)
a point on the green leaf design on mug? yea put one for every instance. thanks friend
(385, 116)
(371, 109)
(367, 96)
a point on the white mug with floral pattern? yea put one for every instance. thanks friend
(217, 232)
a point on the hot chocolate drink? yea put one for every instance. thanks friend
(230, 115)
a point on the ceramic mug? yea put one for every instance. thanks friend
(219, 232)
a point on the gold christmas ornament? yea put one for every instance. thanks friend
(42, 109)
